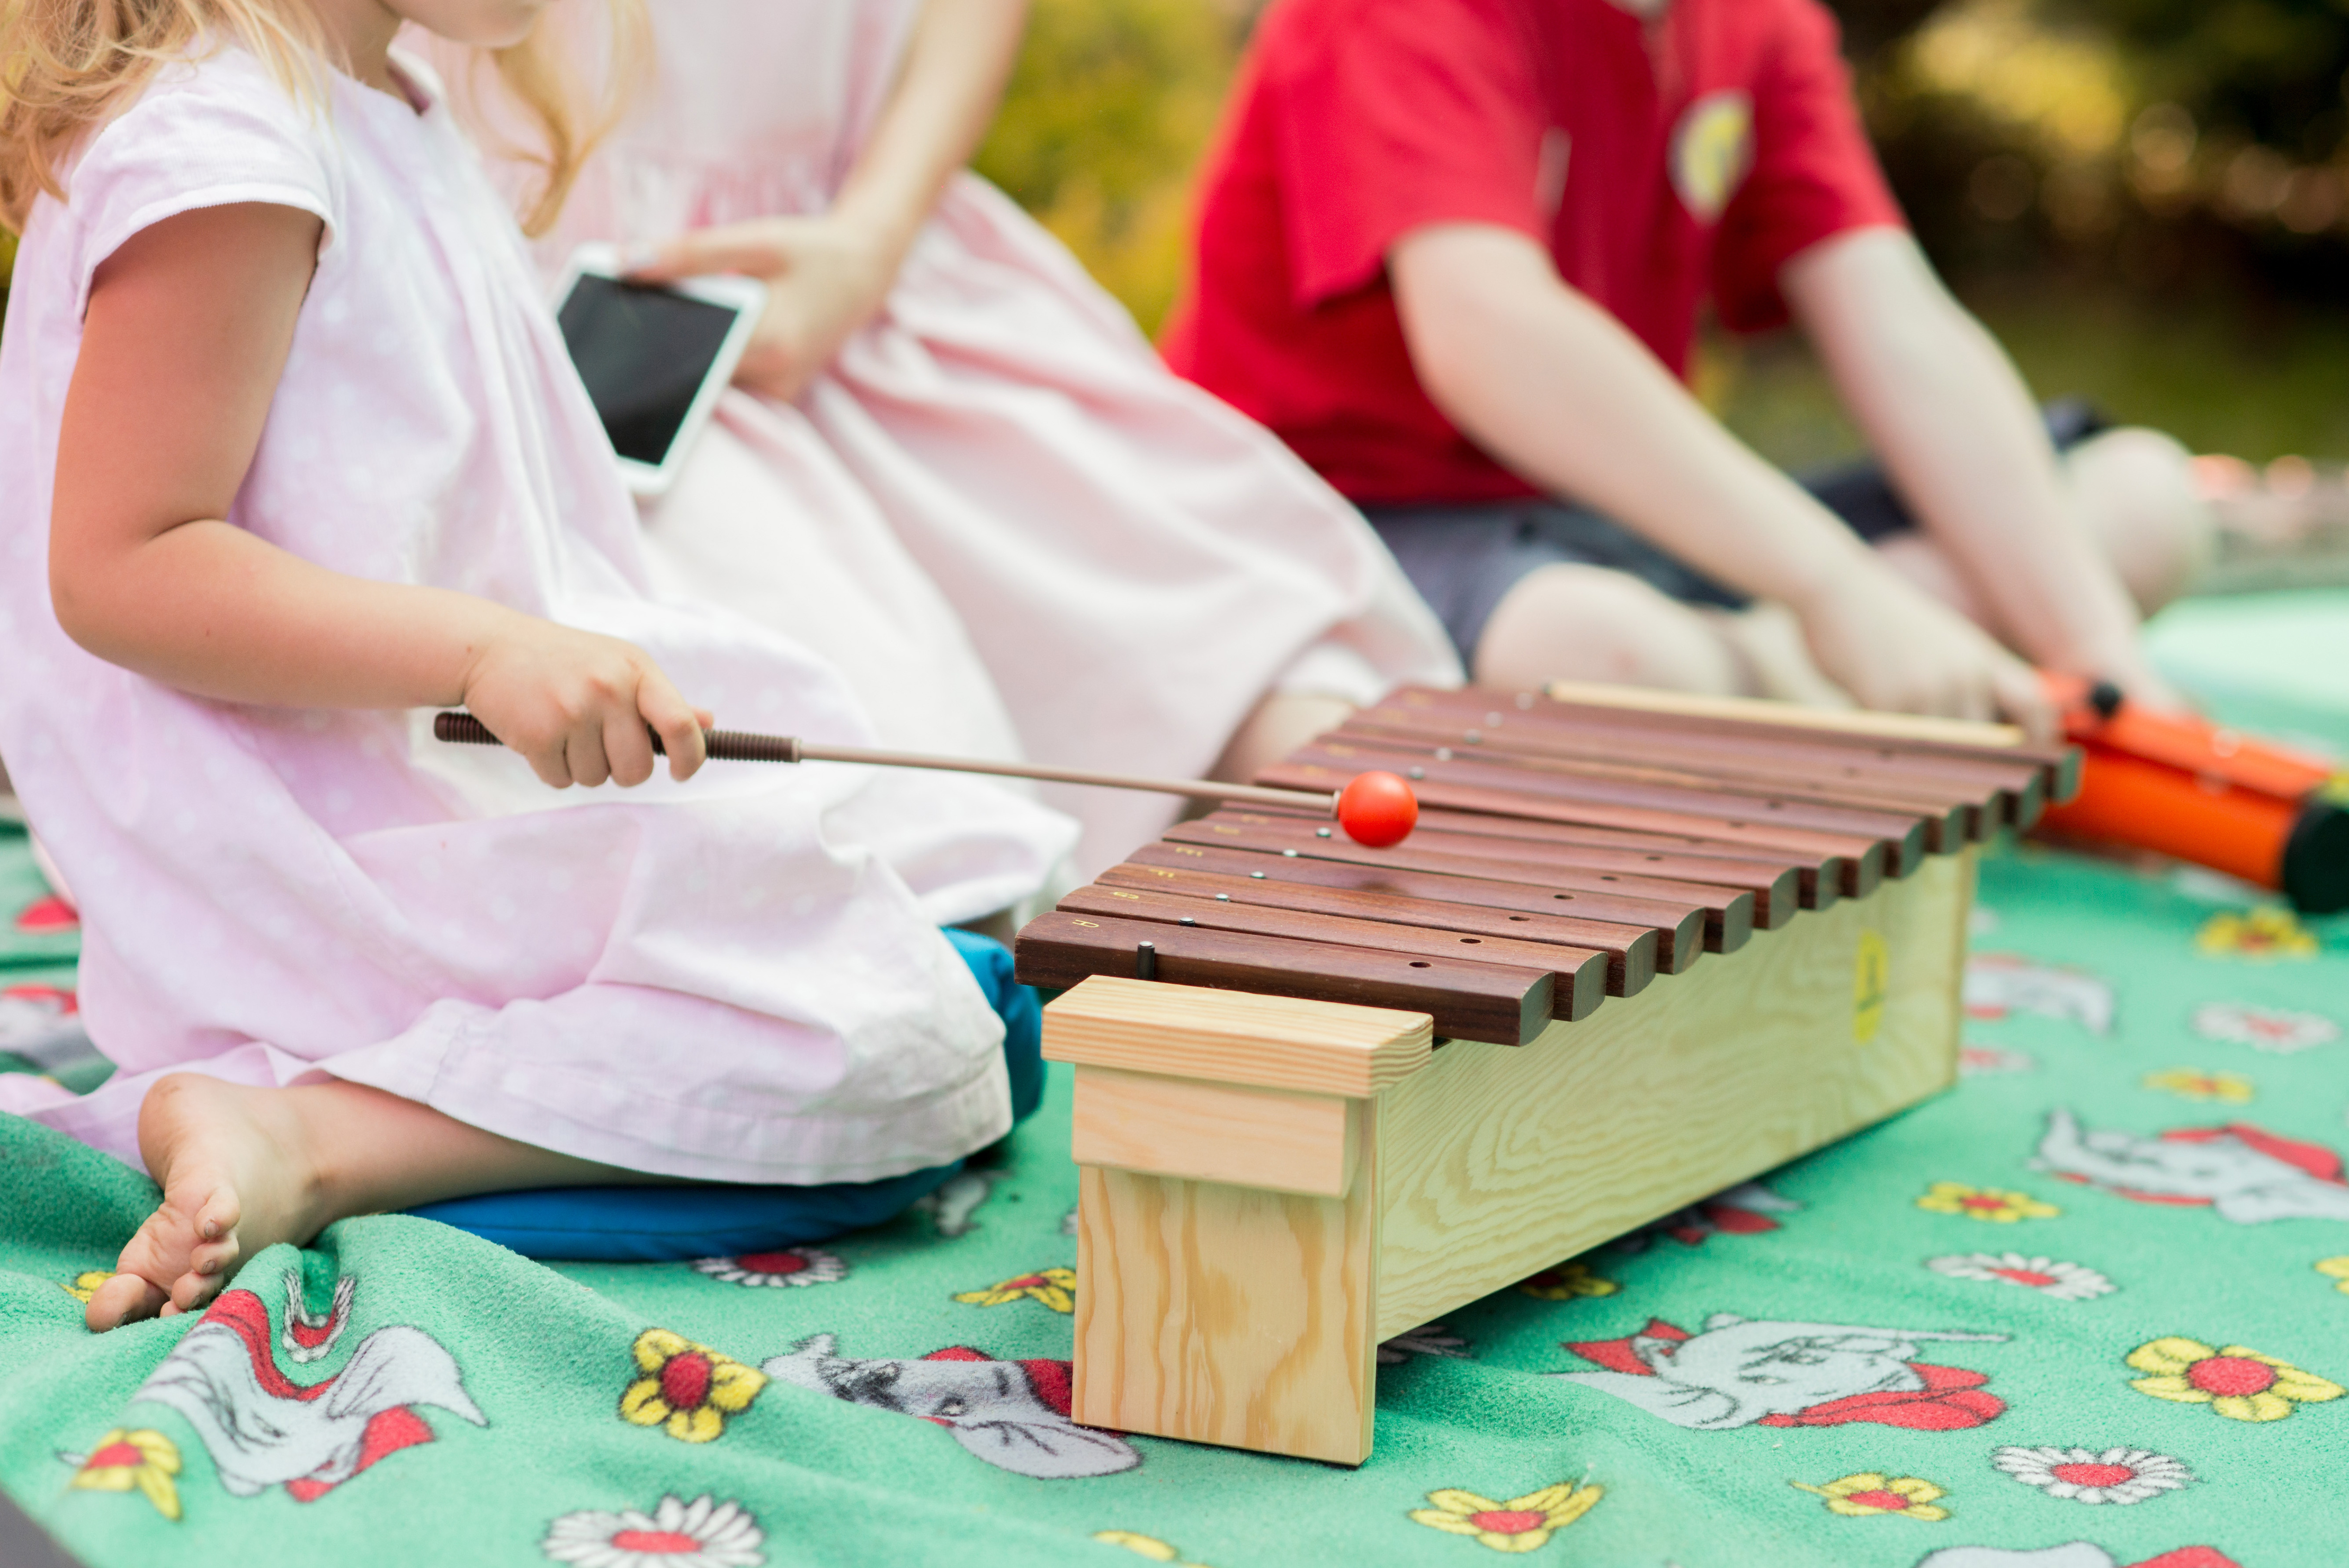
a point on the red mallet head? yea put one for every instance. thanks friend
(1377, 809)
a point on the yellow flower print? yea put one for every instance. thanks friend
(1520, 1524)
(2238, 1384)
(1872, 1492)
(2193, 1084)
(143, 1458)
(1055, 1288)
(1141, 1545)
(2335, 1269)
(2262, 933)
(688, 1388)
(1566, 1282)
(1993, 1203)
(85, 1284)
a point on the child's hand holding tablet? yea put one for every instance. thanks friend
(655, 356)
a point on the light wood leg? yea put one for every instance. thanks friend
(1229, 1314)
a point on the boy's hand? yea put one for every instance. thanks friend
(1895, 649)
(577, 705)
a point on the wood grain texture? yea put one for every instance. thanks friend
(1818, 880)
(1677, 947)
(1903, 837)
(1631, 951)
(1577, 975)
(1225, 1314)
(1499, 1002)
(1785, 757)
(1668, 876)
(1760, 710)
(1282, 1140)
(1919, 737)
(1660, 902)
(1863, 858)
(1949, 816)
(1495, 1164)
(1227, 1037)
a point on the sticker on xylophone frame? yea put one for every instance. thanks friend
(1871, 973)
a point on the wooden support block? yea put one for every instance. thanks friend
(1278, 1139)
(1222, 1311)
(1187, 1032)
(1227, 1315)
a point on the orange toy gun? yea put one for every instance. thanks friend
(2186, 787)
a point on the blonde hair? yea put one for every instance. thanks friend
(67, 66)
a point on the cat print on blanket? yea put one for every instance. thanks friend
(264, 1429)
(1012, 1414)
(1742, 1372)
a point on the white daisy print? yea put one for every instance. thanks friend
(2272, 1029)
(1430, 1340)
(2084, 1475)
(703, 1533)
(2048, 1276)
(798, 1266)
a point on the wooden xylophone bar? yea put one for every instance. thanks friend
(1661, 947)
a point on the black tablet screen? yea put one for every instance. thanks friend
(643, 353)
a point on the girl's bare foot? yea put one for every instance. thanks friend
(237, 1175)
(244, 1169)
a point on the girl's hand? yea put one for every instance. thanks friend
(577, 705)
(825, 278)
(1895, 649)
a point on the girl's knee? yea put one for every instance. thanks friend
(1587, 623)
(2137, 491)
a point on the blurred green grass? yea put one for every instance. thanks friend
(2215, 375)
(1112, 102)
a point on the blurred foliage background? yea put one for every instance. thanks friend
(2148, 200)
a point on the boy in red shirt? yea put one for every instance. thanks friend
(1454, 251)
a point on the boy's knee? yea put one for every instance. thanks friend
(2137, 490)
(1587, 623)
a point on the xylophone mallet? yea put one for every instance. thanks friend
(1376, 809)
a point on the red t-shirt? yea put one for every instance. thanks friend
(1659, 161)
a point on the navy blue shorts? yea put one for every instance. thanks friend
(1464, 557)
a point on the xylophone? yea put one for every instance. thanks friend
(1639, 948)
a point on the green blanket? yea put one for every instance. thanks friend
(2090, 1309)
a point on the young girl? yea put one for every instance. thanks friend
(948, 441)
(318, 457)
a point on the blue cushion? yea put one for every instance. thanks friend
(664, 1224)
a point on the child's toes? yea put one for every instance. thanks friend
(125, 1298)
(190, 1291)
(214, 1258)
(219, 1215)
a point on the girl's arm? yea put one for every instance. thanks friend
(1942, 403)
(186, 334)
(1561, 392)
(829, 275)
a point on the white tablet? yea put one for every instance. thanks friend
(655, 356)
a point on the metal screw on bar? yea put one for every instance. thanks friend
(1145, 960)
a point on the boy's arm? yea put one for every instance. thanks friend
(186, 334)
(1557, 389)
(1946, 413)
